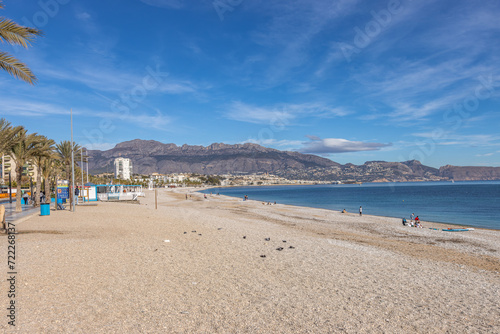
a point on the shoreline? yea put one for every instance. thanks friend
(442, 224)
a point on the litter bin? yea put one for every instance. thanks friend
(44, 209)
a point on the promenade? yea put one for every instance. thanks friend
(10, 210)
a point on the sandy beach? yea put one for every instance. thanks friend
(198, 266)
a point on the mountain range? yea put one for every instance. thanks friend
(150, 156)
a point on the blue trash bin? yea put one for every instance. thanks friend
(44, 209)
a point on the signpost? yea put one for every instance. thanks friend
(62, 191)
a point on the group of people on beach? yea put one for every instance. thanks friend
(27, 199)
(360, 211)
(414, 221)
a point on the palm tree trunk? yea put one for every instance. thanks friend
(47, 190)
(38, 185)
(19, 196)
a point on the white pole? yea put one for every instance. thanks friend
(72, 166)
(81, 168)
(87, 157)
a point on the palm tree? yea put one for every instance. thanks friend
(63, 150)
(51, 169)
(22, 151)
(7, 133)
(45, 150)
(14, 34)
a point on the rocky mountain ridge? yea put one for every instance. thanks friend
(149, 156)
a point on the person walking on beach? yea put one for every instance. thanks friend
(25, 198)
(360, 211)
(411, 217)
(77, 192)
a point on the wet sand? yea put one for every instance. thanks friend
(109, 269)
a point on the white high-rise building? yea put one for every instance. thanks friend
(123, 168)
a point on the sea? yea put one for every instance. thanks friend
(468, 203)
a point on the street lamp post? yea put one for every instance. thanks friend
(72, 188)
(10, 188)
(81, 167)
(87, 160)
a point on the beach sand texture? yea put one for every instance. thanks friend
(109, 269)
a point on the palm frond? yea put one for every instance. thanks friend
(13, 33)
(7, 135)
(16, 68)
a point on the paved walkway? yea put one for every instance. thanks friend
(11, 214)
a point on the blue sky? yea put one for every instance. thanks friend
(349, 80)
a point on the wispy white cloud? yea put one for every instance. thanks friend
(18, 107)
(450, 54)
(242, 112)
(175, 4)
(284, 143)
(282, 114)
(338, 145)
(99, 146)
(157, 121)
(291, 30)
(448, 138)
(84, 16)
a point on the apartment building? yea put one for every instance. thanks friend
(8, 164)
(123, 168)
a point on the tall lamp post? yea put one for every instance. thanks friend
(10, 188)
(81, 168)
(87, 160)
(72, 188)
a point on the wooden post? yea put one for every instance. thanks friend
(156, 199)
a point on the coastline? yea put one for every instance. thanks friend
(445, 224)
(195, 266)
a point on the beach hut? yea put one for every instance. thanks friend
(89, 192)
(118, 192)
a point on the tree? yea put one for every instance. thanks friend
(14, 34)
(44, 151)
(22, 152)
(51, 169)
(64, 150)
(7, 133)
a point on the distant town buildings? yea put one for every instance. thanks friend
(237, 179)
(123, 168)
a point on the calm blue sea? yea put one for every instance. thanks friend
(465, 203)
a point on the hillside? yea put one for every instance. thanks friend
(149, 156)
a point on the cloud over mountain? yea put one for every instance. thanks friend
(338, 145)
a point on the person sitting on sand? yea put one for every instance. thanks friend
(343, 211)
(2, 216)
(404, 221)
